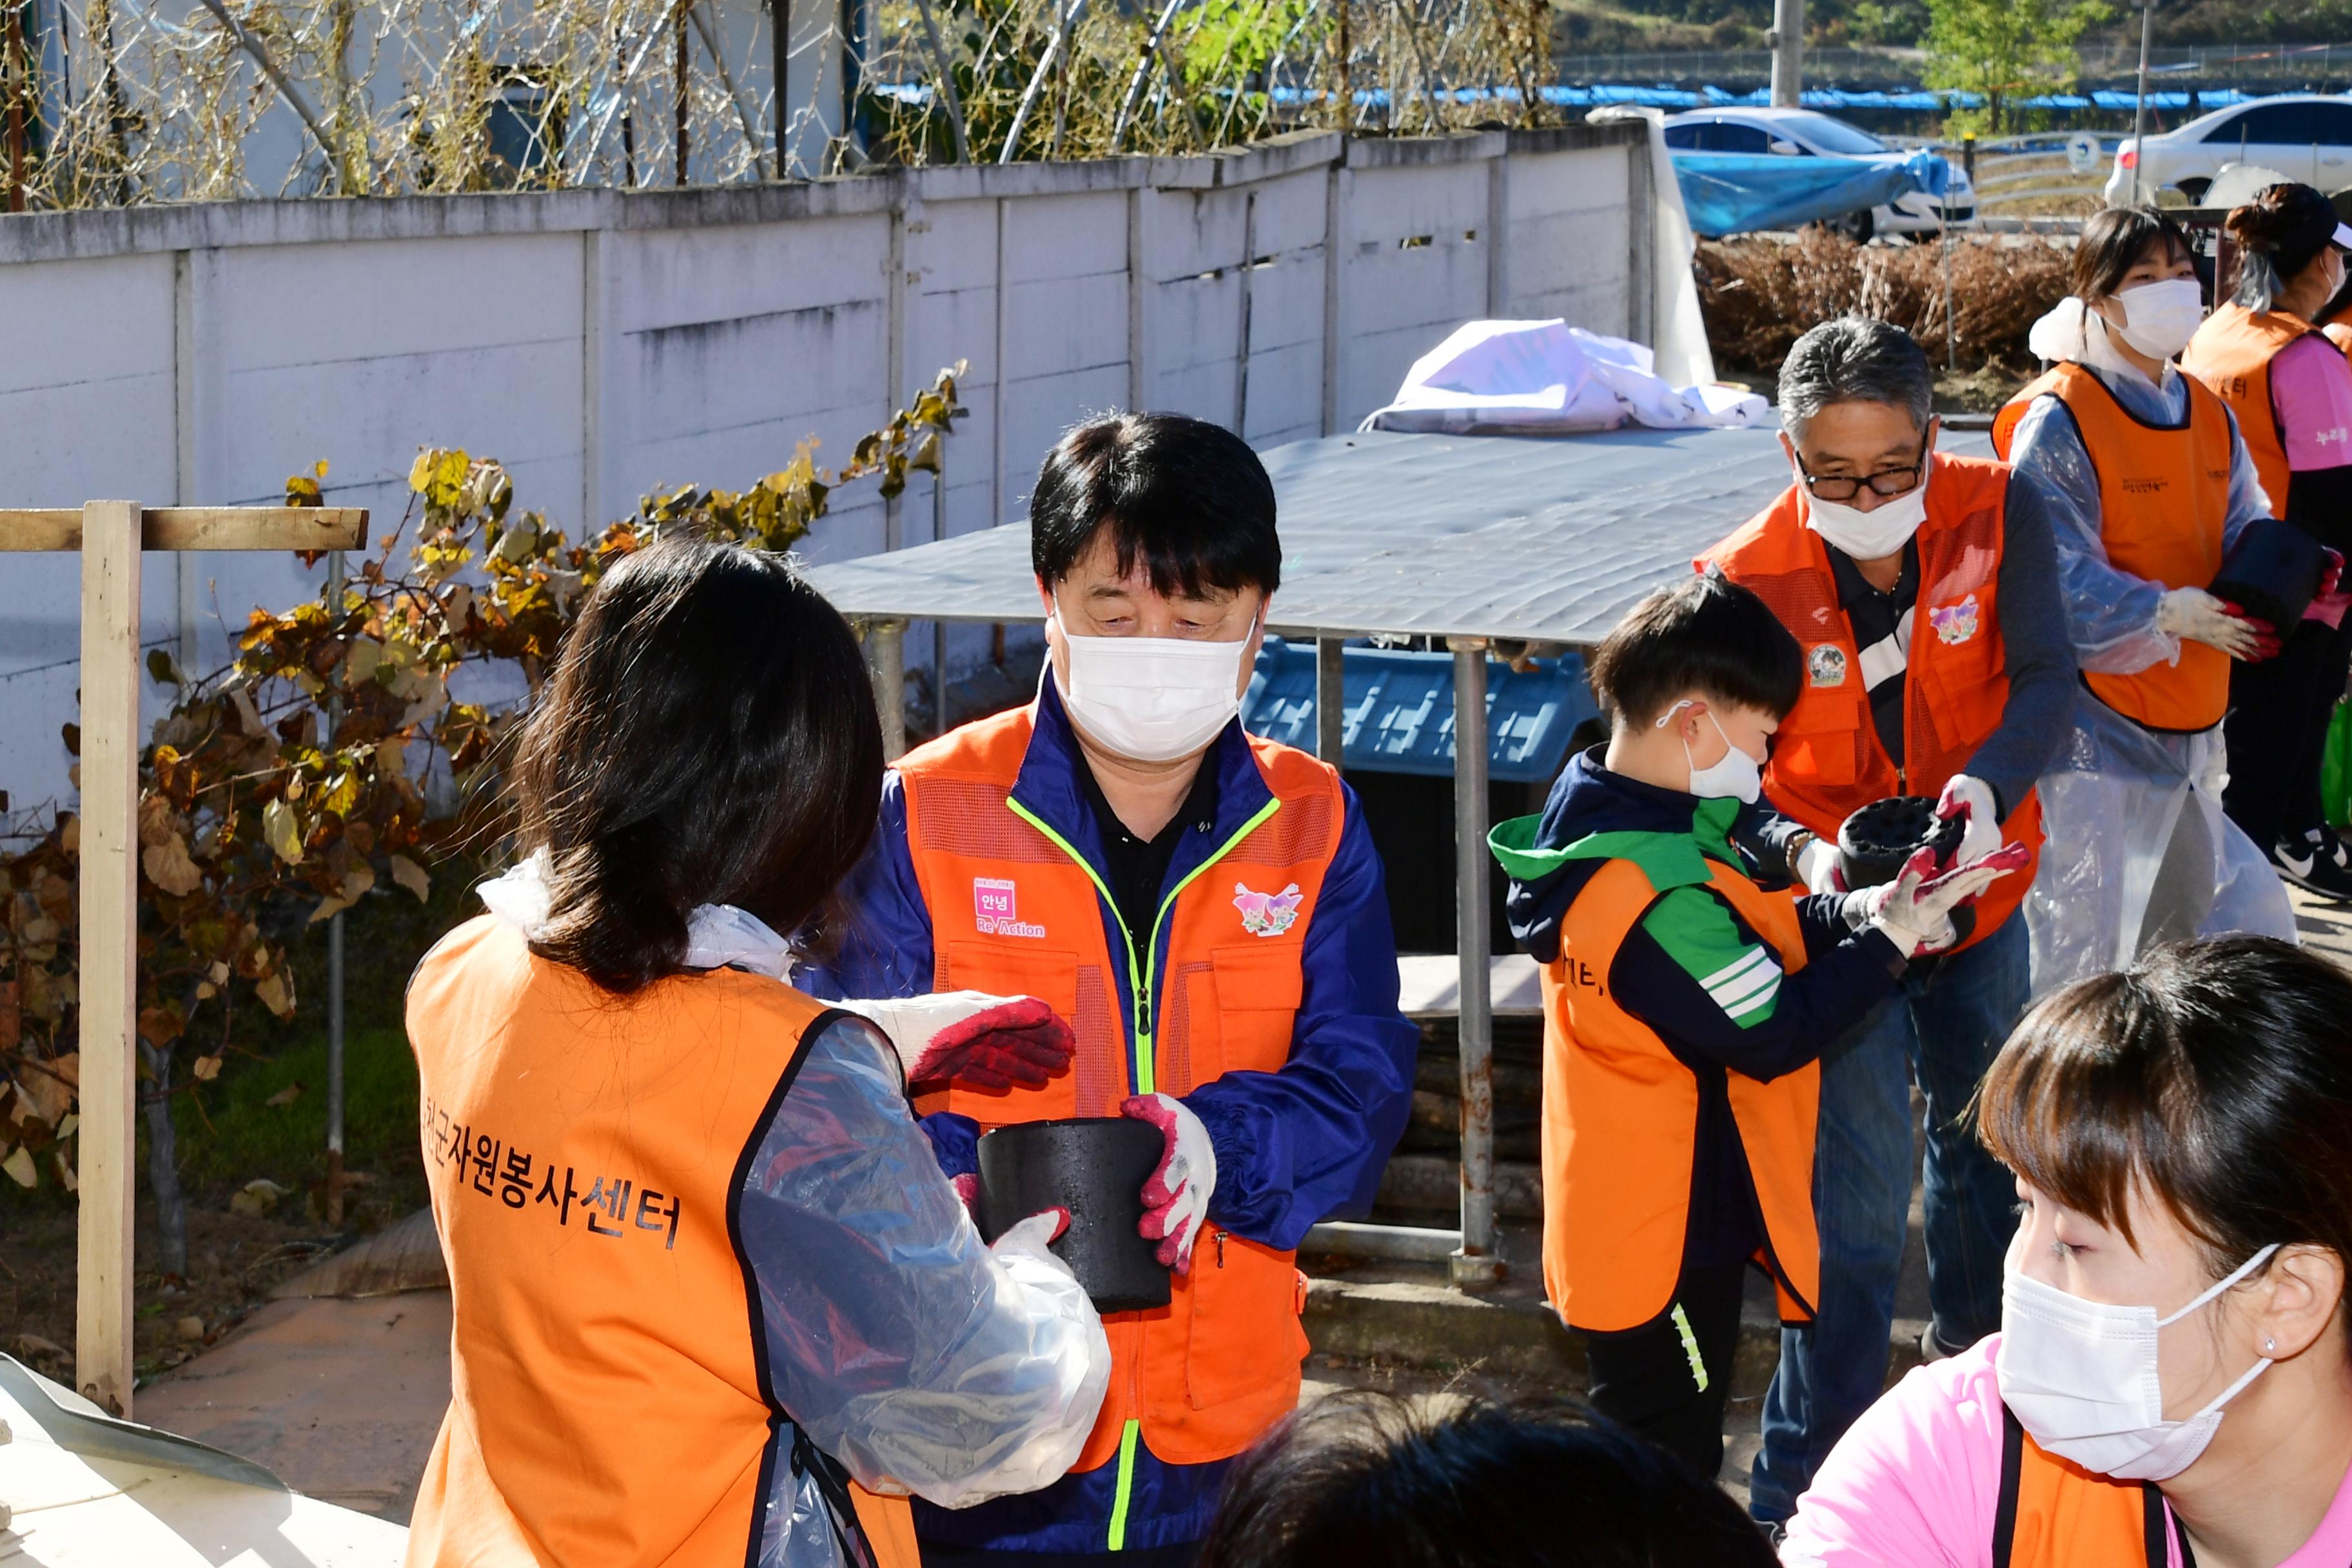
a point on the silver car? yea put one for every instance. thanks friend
(1810, 134)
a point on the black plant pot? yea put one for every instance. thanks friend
(1095, 1167)
(2273, 574)
(1875, 842)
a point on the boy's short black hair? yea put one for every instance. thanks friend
(1366, 1481)
(1186, 499)
(1705, 633)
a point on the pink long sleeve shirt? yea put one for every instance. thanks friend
(1915, 1483)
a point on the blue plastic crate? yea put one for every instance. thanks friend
(1400, 710)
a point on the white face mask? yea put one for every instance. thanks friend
(1867, 535)
(2081, 1376)
(2160, 318)
(1738, 776)
(1154, 700)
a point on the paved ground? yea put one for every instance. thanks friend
(343, 1397)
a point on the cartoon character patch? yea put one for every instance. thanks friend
(1955, 623)
(1826, 665)
(1268, 914)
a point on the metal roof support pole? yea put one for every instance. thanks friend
(1477, 1264)
(886, 655)
(1330, 699)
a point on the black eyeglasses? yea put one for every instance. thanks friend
(1885, 483)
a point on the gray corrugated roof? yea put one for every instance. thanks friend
(1430, 535)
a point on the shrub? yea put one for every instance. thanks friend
(1760, 295)
(282, 789)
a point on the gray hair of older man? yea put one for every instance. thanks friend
(1854, 360)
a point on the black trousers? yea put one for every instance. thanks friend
(2277, 733)
(1668, 1380)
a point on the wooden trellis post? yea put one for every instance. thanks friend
(110, 534)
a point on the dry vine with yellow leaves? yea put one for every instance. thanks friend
(254, 807)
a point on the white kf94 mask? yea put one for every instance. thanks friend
(2081, 1377)
(1155, 700)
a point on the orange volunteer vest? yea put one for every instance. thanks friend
(2055, 1514)
(1621, 1118)
(1827, 761)
(2164, 496)
(1015, 909)
(583, 1154)
(2231, 353)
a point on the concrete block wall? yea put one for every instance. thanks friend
(602, 345)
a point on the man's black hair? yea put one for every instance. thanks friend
(1705, 633)
(1365, 1481)
(1186, 499)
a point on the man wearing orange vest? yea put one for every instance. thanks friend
(1206, 908)
(1924, 595)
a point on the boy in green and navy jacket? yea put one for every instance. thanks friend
(1687, 997)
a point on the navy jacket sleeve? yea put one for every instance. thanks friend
(1298, 1145)
(883, 947)
(1746, 1016)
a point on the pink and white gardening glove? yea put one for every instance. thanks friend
(1915, 910)
(972, 1037)
(1175, 1195)
(1968, 797)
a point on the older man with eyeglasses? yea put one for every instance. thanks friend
(1923, 589)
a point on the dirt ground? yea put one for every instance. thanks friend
(234, 1260)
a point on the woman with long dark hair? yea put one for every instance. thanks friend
(2172, 1382)
(714, 1301)
(2292, 391)
(2147, 485)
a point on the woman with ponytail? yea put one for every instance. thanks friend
(2291, 390)
(714, 1302)
(2149, 485)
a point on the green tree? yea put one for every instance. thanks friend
(2005, 51)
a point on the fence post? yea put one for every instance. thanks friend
(110, 962)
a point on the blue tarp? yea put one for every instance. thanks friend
(1400, 710)
(1740, 192)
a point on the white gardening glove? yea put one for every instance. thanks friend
(1176, 1195)
(1817, 868)
(1914, 910)
(972, 1037)
(1970, 798)
(2194, 614)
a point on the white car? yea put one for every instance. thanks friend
(2304, 136)
(1810, 134)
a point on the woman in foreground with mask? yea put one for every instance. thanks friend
(2172, 1384)
(2292, 392)
(2147, 485)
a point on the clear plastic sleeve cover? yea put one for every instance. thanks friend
(903, 1346)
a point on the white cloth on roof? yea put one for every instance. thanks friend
(1549, 378)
